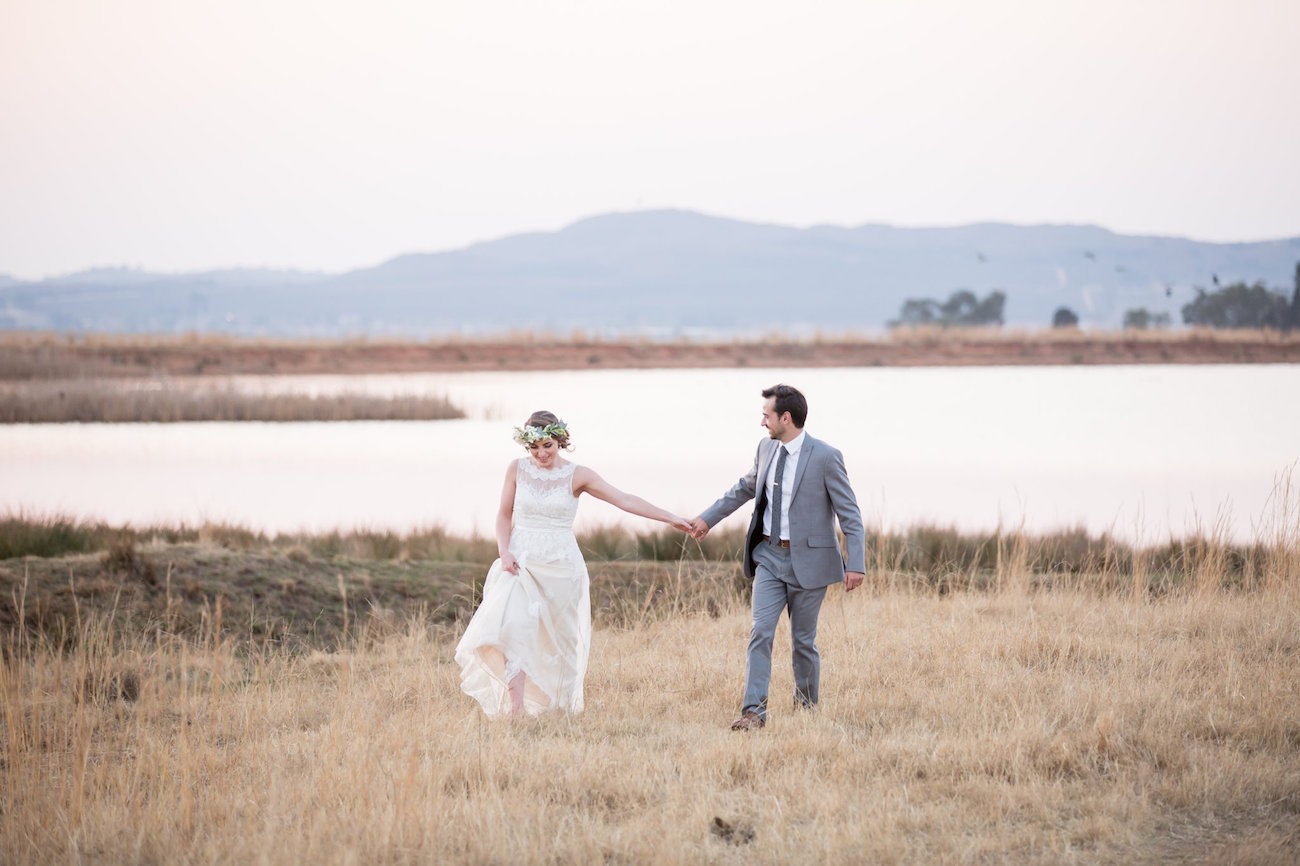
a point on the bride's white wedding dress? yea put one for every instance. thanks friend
(536, 622)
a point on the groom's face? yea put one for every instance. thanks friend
(775, 424)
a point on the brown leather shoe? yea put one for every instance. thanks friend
(748, 721)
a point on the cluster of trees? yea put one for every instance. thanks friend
(1141, 318)
(962, 309)
(1064, 317)
(1242, 306)
(1233, 306)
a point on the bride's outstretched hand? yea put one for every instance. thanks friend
(683, 524)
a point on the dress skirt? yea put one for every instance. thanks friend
(536, 622)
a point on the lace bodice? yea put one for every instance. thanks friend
(543, 513)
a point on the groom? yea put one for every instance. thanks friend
(791, 550)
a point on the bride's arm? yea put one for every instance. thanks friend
(587, 481)
(506, 519)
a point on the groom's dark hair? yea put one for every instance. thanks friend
(788, 400)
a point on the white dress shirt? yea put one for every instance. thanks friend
(787, 485)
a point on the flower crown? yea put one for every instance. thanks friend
(526, 435)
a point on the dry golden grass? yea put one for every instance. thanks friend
(1067, 726)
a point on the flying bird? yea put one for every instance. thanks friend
(1087, 254)
(1215, 277)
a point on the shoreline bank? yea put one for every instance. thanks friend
(26, 356)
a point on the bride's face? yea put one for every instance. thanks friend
(544, 452)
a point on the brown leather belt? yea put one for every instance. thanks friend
(779, 543)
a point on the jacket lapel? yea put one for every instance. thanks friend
(801, 468)
(764, 464)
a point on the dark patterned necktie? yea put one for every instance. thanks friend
(776, 495)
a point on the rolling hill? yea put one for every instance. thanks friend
(666, 273)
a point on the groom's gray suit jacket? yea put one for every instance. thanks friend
(821, 493)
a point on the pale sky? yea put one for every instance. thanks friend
(327, 135)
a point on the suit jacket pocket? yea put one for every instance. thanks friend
(822, 541)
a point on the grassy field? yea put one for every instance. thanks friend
(1016, 714)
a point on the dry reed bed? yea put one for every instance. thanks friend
(27, 356)
(1005, 726)
(85, 401)
(48, 536)
(924, 555)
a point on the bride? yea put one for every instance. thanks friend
(525, 649)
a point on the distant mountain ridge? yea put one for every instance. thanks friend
(666, 272)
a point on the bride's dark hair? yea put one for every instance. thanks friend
(543, 418)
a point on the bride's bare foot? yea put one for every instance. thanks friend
(516, 685)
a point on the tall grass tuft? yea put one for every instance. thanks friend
(1279, 533)
(30, 535)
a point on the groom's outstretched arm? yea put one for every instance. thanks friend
(738, 495)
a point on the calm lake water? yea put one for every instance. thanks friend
(1143, 452)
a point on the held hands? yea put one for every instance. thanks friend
(681, 523)
(697, 528)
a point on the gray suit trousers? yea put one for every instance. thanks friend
(775, 590)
